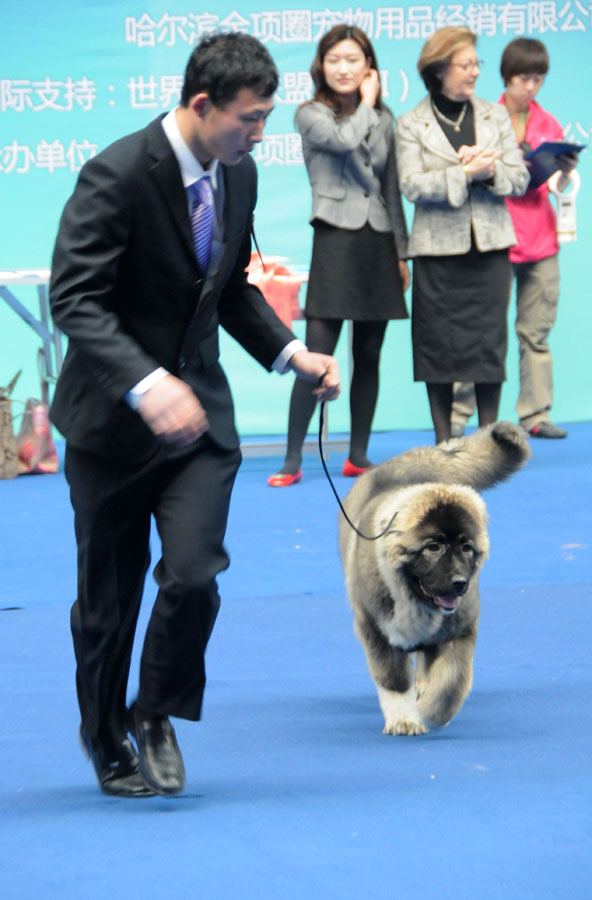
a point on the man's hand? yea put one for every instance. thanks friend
(172, 411)
(320, 368)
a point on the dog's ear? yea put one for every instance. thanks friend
(477, 510)
(482, 534)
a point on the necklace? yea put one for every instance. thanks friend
(454, 124)
(520, 125)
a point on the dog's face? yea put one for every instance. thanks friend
(442, 556)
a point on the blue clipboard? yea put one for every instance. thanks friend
(543, 160)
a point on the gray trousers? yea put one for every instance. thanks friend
(537, 296)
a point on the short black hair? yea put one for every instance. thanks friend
(524, 56)
(223, 63)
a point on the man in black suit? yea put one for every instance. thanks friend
(144, 403)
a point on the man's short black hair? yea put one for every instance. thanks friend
(222, 64)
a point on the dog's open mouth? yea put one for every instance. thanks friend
(447, 602)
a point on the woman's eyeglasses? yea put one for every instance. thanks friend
(467, 66)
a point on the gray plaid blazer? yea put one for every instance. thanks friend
(352, 169)
(447, 207)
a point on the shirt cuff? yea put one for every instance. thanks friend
(281, 363)
(133, 396)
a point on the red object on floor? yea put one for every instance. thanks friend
(280, 480)
(36, 450)
(279, 286)
(351, 471)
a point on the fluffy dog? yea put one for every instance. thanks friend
(415, 591)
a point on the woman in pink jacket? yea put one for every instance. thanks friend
(524, 64)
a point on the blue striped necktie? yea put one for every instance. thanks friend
(202, 220)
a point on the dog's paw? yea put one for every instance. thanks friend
(400, 712)
(404, 727)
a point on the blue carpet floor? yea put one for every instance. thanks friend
(292, 789)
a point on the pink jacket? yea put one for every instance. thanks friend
(532, 215)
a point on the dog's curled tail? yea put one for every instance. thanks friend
(480, 460)
(488, 456)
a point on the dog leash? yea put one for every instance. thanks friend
(337, 497)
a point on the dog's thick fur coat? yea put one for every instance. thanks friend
(415, 591)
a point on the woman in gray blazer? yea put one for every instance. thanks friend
(358, 269)
(458, 158)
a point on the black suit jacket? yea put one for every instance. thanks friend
(127, 290)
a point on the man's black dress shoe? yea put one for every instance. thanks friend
(161, 763)
(116, 766)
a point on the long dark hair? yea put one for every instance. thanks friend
(323, 92)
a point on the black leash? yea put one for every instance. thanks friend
(337, 497)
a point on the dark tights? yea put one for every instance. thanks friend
(440, 398)
(321, 337)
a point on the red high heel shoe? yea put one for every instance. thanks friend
(351, 471)
(281, 480)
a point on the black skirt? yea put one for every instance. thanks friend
(354, 275)
(459, 316)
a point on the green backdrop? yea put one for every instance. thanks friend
(75, 76)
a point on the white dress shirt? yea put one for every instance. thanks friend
(191, 171)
